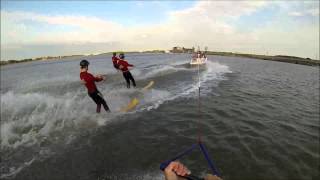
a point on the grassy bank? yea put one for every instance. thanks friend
(280, 58)
(2, 63)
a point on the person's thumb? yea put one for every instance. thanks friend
(212, 177)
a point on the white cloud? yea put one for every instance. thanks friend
(80, 21)
(308, 12)
(313, 12)
(181, 25)
(205, 24)
(90, 29)
(222, 9)
(299, 8)
(296, 14)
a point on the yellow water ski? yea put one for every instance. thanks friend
(148, 86)
(134, 102)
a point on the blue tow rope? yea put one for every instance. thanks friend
(214, 170)
(187, 151)
(166, 163)
(210, 162)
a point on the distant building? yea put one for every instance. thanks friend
(186, 50)
(176, 50)
(182, 50)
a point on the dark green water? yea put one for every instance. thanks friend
(259, 120)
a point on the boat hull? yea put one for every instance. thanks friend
(198, 61)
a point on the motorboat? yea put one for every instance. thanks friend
(196, 61)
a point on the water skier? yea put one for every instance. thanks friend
(123, 66)
(115, 61)
(89, 81)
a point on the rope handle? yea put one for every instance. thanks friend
(214, 170)
(166, 163)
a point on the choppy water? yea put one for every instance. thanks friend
(259, 119)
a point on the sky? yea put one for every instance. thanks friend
(51, 28)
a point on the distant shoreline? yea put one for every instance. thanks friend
(279, 58)
(46, 58)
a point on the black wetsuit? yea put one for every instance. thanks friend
(123, 65)
(98, 99)
(128, 76)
